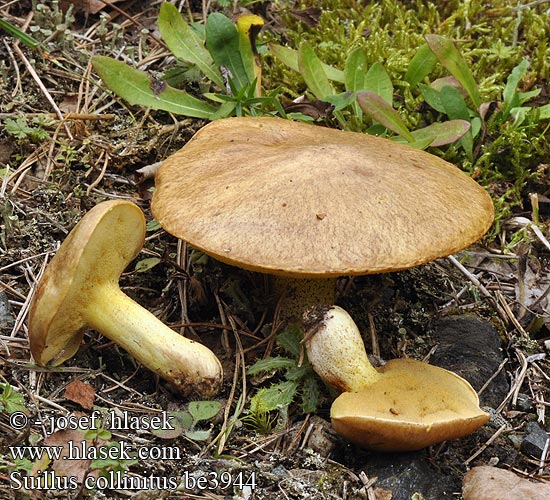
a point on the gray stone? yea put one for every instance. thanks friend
(405, 474)
(471, 348)
(7, 321)
(534, 441)
(524, 402)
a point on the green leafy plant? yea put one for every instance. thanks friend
(21, 130)
(299, 380)
(11, 400)
(186, 422)
(513, 99)
(224, 52)
(369, 92)
(113, 461)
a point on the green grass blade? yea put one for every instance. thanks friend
(449, 57)
(456, 109)
(135, 87)
(378, 109)
(184, 43)
(313, 73)
(510, 94)
(14, 31)
(355, 76)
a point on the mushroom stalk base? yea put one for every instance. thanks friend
(299, 294)
(190, 366)
(336, 350)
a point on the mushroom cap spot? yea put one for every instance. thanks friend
(94, 253)
(412, 406)
(288, 198)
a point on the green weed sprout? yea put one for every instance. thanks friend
(186, 422)
(369, 92)
(10, 400)
(299, 381)
(22, 131)
(225, 53)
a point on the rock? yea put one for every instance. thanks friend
(405, 474)
(7, 321)
(534, 441)
(322, 439)
(492, 483)
(525, 402)
(471, 348)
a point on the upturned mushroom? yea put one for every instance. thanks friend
(404, 405)
(80, 289)
(308, 204)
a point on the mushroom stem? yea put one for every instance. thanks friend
(336, 350)
(80, 289)
(188, 365)
(300, 294)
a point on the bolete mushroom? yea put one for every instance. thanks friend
(404, 405)
(80, 288)
(309, 204)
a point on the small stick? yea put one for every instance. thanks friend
(492, 377)
(374, 337)
(500, 430)
(514, 390)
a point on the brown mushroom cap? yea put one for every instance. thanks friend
(287, 198)
(411, 406)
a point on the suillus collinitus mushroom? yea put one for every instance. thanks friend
(307, 203)
(80, 289)
(404, 405)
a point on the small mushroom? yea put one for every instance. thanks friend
(80, 289)
(308, 204)
(404, 405)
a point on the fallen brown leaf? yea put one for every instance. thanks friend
(492, 483)
(81, 393)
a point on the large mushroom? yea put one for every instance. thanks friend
(80, 288)
(308, 204)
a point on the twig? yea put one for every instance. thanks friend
(477, 283)
(24, 309)
(375, 347)
(67, 117)
(240, 366)
(516, 386)
(499, 431)
(99, 178)
(492, 377)
(13, 264)
(529, 5)
(510, 315)
(470, 276)
(543, 456)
